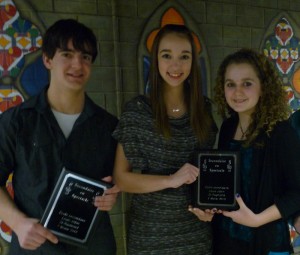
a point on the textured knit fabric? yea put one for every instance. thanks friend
(275, 179)
(35, 149)
(160, 223)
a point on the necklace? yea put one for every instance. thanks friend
(175, 110)
(243, 132)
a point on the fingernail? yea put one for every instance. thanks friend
(237, 195)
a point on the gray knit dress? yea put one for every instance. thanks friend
(159, 222)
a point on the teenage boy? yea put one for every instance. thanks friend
(60, 127)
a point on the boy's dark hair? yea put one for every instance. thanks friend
(64, 30)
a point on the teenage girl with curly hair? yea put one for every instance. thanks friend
(250, 95)
(272, 106)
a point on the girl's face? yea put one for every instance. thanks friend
(242, 88)
(174, 59)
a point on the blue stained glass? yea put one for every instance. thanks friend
(35, 77)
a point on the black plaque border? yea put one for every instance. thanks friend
(232, 206)
(59, 187)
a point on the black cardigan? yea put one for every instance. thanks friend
(275, 178)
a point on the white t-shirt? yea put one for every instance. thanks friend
(65, 121)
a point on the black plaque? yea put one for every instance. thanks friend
(218, 181)
(70, 213)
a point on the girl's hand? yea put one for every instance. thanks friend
(244, 215)
(187, 174)
(205, 215)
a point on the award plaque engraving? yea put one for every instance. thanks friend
(70, 213)
(218, 180)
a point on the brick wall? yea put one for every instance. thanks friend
(225, 25)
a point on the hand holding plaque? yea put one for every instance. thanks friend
(218, 180)
(70, 213)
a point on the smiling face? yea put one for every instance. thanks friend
(70, 69)
(174, 59)
(242, 88)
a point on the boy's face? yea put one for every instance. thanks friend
(70, 69)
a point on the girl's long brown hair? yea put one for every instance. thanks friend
(200, 118)
(272, 105)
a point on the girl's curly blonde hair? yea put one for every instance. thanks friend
(272, 105)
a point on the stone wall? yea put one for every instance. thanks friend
(224, 25)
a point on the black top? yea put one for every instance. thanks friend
(295, 121)
(275, 178)
(34, 148)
